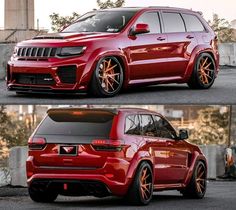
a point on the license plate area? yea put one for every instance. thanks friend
(68, 150)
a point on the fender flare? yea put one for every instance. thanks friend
(193, 58)
(96, 56)
(195, 158)
(136, 161)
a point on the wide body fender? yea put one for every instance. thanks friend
(193, 59)
(195, 158)
(94, 59)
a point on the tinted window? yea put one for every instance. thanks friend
(77, 123)
(132, 125)
(164, 129)
(173, 22)
(152, 19)
(193, 23)
(101, 21)
(148, 126)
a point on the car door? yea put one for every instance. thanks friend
(147, 52)
(175, 154)
(156, 147)
(180, 42)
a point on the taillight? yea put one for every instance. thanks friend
(215, 44)
(107, 145)
(36, 143)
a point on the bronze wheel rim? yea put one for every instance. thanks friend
(206, 70)
(201, 179)
(109, 75)
(146, 184)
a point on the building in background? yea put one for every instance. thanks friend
(19, 21)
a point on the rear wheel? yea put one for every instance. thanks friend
(108, 78)
(42, 195)
(141, 190)
(197, 186)
(204, 72)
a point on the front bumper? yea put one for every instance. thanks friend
(53, 76)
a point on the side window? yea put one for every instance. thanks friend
(152, 19)
(164, 129)
(193, 24)
(147, 125)
(132, 125)
(173, 22)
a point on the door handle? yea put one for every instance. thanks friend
(161, 38)
(189, 37)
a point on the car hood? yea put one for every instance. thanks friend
(63, 38)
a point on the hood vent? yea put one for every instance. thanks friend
(48, 37)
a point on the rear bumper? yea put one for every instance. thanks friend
(113, 175)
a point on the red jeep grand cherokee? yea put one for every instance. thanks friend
(107, 50)
(102, 152)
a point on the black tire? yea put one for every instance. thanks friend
(134, 195)
(42, 196)
(100, 88)
(203, 78)
(193, 190)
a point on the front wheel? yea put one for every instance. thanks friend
(204, 72)
(108, 78)
(141, 190)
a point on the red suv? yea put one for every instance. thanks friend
(107, 50)
(102, 152)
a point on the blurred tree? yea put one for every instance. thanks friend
(58, 22)
(223, 29)
(12, 131)
(211, 127)
(110, 4)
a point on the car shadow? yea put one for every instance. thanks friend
(110, 201)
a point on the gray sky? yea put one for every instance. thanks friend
(226, 9)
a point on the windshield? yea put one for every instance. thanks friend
(101, 21)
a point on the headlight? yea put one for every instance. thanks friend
(70, 51)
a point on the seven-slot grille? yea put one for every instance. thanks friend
(34, 52)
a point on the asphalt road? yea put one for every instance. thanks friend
(220, 195)
(223, 92)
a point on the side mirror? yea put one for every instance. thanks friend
(183, 134)
(140, 28)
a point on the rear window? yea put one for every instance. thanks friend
(77, 123)
(173, 22)
(193, 24)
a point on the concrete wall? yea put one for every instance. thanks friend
(215, 160)
(5, 54)
(17, 160)
(5, 177)
(227, 54)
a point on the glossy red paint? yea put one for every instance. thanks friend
(146, 58)
(114, 161)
